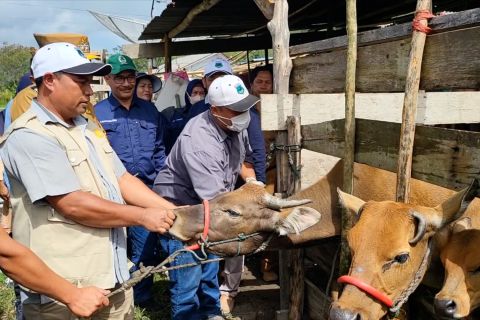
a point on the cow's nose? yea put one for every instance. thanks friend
(445, 308)
(342, 314)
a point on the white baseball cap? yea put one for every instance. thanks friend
(229, 91)
(217, 64)
(66, 57)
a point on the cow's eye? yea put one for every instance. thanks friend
(233, 213)
(476, 271)
(401, 258)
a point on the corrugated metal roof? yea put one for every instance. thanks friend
(235, 17)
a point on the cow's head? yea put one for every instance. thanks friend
(247, 210)
(388, 245)
(460, 256)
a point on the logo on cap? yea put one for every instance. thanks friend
(239, 88)
(80, 53)
(218, 64)
(122, 60)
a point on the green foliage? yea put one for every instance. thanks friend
(7, 298)
(14, 62)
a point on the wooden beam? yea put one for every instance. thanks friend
(458, 20)
(168, 55)
(266, 7)
(199, 8)
(433, 108)
(449, 158)
(407, 131)
(448, 63)
(180, 48)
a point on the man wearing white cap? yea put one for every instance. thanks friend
(215, 68)
(69, 187)
(205, 161)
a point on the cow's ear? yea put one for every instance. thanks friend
(298, 220)
(462, 224)
(349, 202)
(455, 206)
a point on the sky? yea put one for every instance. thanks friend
(20, 19)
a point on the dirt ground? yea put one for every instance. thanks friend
(257, 299)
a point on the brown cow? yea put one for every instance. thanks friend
(459, 254)
(390, 251)
(245, 211)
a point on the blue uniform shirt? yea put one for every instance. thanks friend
(136, 135)
(257, 144)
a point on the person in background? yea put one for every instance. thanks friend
(147, 85)
(206, 160)
(135, 130)
(177, 118)
(215, 68)
(69, 188)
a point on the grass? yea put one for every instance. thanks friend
(160, 291)
(7, 299)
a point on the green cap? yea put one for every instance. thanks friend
(121, 62)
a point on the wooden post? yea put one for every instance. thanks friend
(282, 65)
(168, 57)
(409, 113)
(297, 284)
(349, 127)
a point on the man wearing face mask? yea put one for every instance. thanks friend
(205, 161)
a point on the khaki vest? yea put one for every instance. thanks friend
(81, 254)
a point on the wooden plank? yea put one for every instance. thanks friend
(463, 19)
(180, 48)
(318, 303)
(433, 108)
(446, 157)
(266, 7)
(448, 63)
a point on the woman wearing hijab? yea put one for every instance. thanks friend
(177, 118)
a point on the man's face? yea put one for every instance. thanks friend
(207, 81)
(70, 93)
(262, 84)
(122, 84)
(225, 115)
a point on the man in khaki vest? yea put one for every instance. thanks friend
(68, 187)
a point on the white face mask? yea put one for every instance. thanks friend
(239, 122)
(195, 99)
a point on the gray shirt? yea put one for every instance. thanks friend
(44, 169)
(204, 162)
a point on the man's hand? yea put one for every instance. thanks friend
(157, 220)
(4, 193)
(85, 301)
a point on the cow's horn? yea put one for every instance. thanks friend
(421, 227)
(277, 203)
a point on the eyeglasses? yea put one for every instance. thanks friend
(121, 79)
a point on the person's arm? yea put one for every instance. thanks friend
(247, 171)
(23, 266)
(206, 174)
(136, 193)
(91, 210)
(4, 192)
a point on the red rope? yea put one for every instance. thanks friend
(419, 16)
(374, 293)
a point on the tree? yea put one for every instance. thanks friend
(14, 62)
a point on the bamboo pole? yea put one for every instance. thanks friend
(409, 113)
(349, 127)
